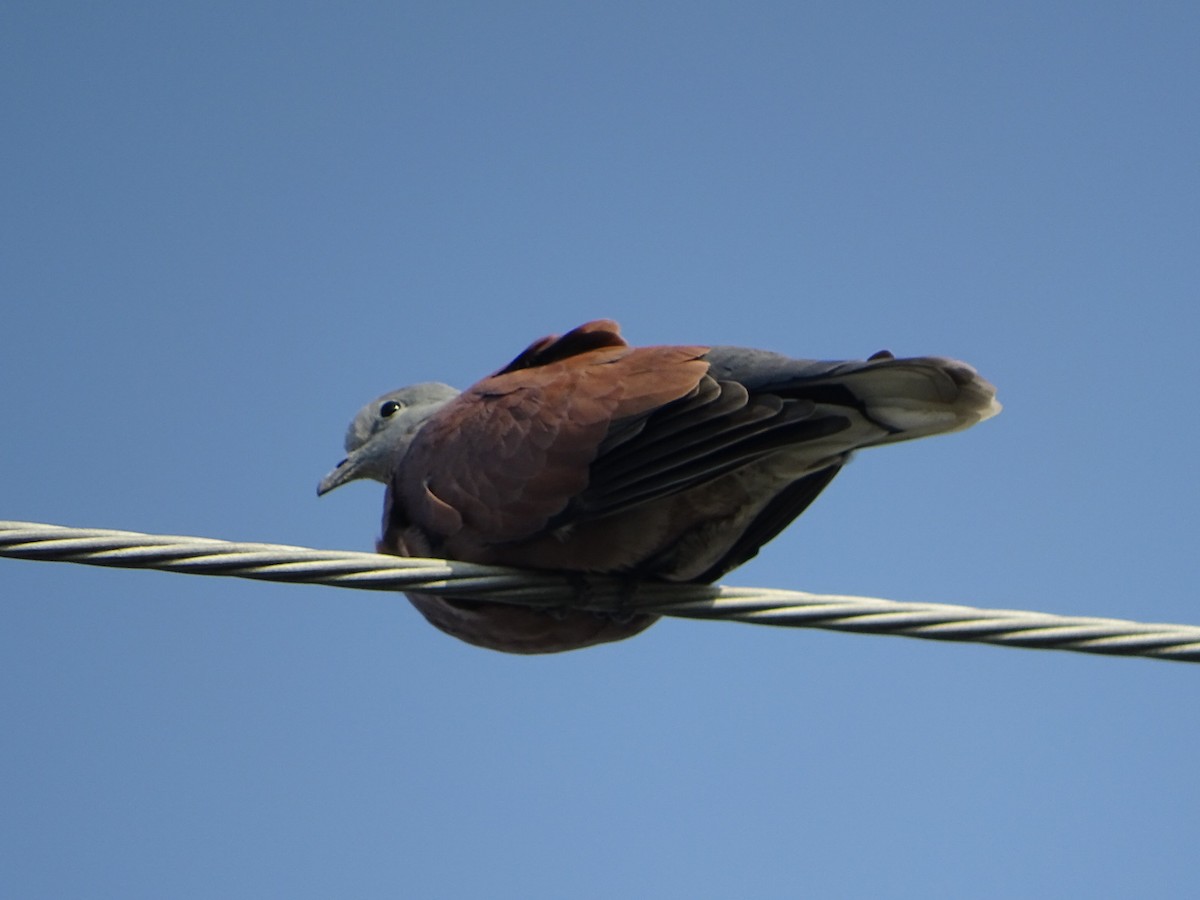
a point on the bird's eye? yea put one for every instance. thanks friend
(389, 408)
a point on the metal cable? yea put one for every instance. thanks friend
(370, 571)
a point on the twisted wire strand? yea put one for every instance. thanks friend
(371, 571)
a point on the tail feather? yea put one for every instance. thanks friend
(917, 397)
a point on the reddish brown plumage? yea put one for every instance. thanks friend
(674, 462)
(511, 452)
(500, 461)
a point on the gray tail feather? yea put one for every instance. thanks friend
(913, 398)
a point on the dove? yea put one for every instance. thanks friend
(662, 463)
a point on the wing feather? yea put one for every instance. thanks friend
(510, 453)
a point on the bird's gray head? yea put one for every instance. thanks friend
(379, 436)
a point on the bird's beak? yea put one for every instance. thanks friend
(344, 471)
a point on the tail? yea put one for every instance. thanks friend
(913, 398)
(902, 398)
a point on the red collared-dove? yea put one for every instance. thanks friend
(585, 454)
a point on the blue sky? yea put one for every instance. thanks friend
(227, 226)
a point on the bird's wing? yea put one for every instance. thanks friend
(583, 427)
(510, 453)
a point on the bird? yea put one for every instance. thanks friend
(585, 454)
